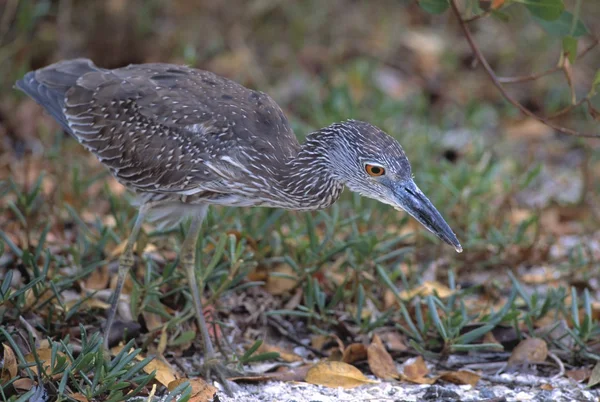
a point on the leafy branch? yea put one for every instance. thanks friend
(551, 15)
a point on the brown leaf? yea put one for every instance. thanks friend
(201, 390)
(531, 350)
(579, 375)
(460, 377)
(546, 387)
(284, 355)
(78, 396)
(164, 372)
(98, 279)
(23, 384)
(9, 368)
(336, 374)
(394, 341)
(595, 376)
(380, 361)
(496, 4)
(277, 285)
(416, 372)
(354, 352)
(426, 289)
(45, 357)
(295, 374)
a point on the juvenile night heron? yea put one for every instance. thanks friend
(183, 139)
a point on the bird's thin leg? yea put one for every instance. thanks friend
(126, 261)
(188, 260)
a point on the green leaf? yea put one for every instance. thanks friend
(434, 6)
(570, 47)
(562, 26)
(548, 10)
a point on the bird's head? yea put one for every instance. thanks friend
(373, 164)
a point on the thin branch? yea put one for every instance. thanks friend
(535, 76)
(476, 17)
(490, 72)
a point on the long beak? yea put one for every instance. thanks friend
(411, 199)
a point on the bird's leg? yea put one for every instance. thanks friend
(126, 261)
(188, 260)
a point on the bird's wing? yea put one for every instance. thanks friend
(169, 128)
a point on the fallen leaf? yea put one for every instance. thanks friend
(496, 4)
(98, 279)
(294, 374)
(336, 374)
(461, 377)
(24, 384)
(45, 357)
(594, 376)
(416, 372)
(9, 367)
(579, 375)
(426, 289)
(380, 361)
(78, 396)
(354, 352)
(281, 283)
(394, 341)
(164, 372)
(201, 390)
(284, 355)
(531, 350)
(546, 387)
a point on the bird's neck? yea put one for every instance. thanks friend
(307, 179)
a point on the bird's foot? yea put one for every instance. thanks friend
(214, 368)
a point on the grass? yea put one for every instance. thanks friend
(354, 265)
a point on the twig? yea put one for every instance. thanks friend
(490, 72)
(559, 363)
(535, 76)
(476, 17)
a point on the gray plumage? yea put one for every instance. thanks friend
(184, 136)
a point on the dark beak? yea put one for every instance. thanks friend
(411, 199)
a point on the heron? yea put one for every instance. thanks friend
(182, 139)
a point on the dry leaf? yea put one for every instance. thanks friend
(78, 396)
(496, 4)
(531, 350)
(460, 377)
(98, 279)
(354, 352)
(45, 357)
(380, 361)
(394, 341)
(277, 285)
(595, 376)
(579, 375)
(336, 374)
(24, 384)
(283, 354)
(426, 289)
(546, 387)
(164, 372)
(295, 374)
(9, 367)
(201, 390)
(416, 372)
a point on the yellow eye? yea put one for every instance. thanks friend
(374, 170)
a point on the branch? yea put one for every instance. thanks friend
(492, 75)
(535, 76)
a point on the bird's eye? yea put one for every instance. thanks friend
(374, 170)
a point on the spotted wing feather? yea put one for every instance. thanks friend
(168, 128)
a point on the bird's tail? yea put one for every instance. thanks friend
(49, 85)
